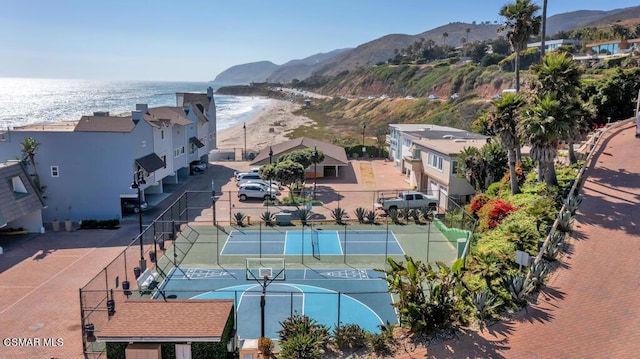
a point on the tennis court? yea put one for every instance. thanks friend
(330, 296)
(311, 241)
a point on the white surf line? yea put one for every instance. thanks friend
(51, 278)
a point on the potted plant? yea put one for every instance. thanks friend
(55, 225)
(68, 225)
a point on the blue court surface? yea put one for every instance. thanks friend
(311, 242)
(330, 296)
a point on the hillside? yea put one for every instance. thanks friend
(381, 49)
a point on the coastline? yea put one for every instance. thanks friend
(267, 127)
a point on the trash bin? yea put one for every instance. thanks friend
(161, 244)
(248, 220)
(111, 307)
(152, 257)
(125, 287)
(136, 272)
(89, 330)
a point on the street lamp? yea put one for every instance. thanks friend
(270, 154)
(315, 169)
(138, 180)
(244, 128)
(364, 149)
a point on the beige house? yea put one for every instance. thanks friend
(335, 157)
(435, 168)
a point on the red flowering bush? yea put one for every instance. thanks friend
(493, 212)
(477, 202)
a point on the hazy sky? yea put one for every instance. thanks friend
(194, 40)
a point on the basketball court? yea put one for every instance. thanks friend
(330, 296)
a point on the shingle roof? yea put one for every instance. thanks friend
(13, 204)
(156, 320)
(174, 114)
(333, 155)
(105, 124)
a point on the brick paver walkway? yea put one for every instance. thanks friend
(591, 308)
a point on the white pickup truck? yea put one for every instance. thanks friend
(409, 200)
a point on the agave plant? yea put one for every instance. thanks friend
(415, 215)
(565, 221)
(427, 213)
(485, 303)
(239, 218)
(405, 213)
(268, 218)
(394, 215)
(552, 251)
(304, 215)
(572, 204)
(360, 214)
(517, 287)
(371, 217)
(538, 271)
(338, 215)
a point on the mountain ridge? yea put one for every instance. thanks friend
(381, 49)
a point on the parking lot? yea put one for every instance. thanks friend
(357, 186)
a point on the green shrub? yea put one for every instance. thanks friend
(99, 224)
(350, 336)
(371, 217)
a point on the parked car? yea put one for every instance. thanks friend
(131, 205)
(246, 177)
(273, 184)
(255, 190)
(433, 97)
(254, 170)
(198, 166)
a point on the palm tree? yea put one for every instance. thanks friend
(520, 24)
(503, 121)
(467, 31)
(28, 151)
(543, 29)
(558, 74)
(543, 125)
(444, 38)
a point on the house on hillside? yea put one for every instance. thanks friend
(428, 154)
(614, 47)
(20, 202)
(335, 157)
(89, 165)
(551, 45)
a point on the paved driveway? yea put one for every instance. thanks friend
(591, 307)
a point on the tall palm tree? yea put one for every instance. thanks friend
(503, 121)
(543, 126)
(521, 22)
(444, 38)
(543, 29)
(558, 74)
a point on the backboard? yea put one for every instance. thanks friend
(271, 268)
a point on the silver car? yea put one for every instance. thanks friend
(255, 190)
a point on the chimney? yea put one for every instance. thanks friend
(136, 116)
(142, 107)
(209, 92)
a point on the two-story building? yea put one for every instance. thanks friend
(428, 155)
(87, 166)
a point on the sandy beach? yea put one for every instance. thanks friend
(268, 127)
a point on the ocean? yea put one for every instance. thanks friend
(27, 101)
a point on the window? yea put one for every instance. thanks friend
(162, 134)
(19, 190)
(454, 167)
(435, 161)
(178, 151)
(192, 148)
(164, 160)
(55, 171)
